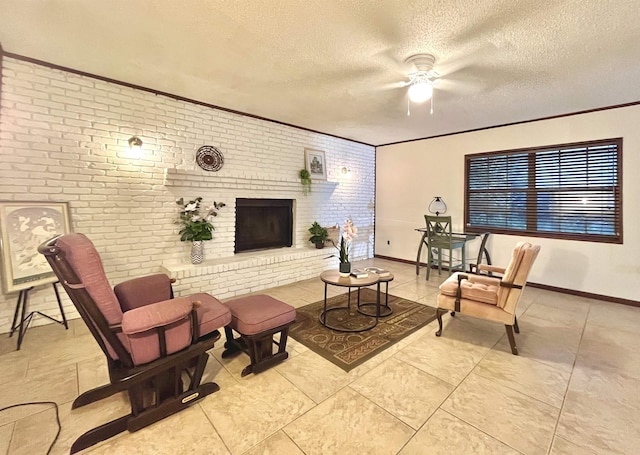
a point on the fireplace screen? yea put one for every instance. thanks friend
(263, 224)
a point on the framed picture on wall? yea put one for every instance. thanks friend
(316, 164)
(23, 227)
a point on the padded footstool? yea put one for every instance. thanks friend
(257, 318)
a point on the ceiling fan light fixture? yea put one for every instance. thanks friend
(420, 91)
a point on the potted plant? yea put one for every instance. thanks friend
(196, 227)
(305, 179)
(349, 231)
(319, 235)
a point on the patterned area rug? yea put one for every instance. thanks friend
(348, 350)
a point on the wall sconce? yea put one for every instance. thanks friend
(438, 206)
(135, 144)
(346, 172)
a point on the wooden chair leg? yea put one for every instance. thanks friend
(233, 346)
(515, 325)
(512, 339)
(439, 316)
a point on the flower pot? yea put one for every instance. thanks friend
(320, 245)
(345, 269)
(197, 251)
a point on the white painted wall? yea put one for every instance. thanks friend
(63, 137)
(408, 175)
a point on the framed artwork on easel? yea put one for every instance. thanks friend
(23, 227)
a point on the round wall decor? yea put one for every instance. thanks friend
(209, 158)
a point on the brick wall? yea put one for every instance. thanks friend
(63, 137)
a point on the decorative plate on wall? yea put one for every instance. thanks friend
(209, 158)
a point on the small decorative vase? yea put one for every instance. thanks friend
(345, 269)
(197, 251)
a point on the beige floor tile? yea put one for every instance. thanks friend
(603, 348)
(326, 406)
(288, 294)
(414, 291)
(294, 347)
(511, 417)
(453, 355)
(536, 379)
(233, 365)
(5, 438)
(14, 367)
(313, 290)
(406, 392)
(314, 376)
(615, 316)
(38, 336)
(445, 434)
(278, 444)
(58, 384)
(187, 432)
(600, 412)
(215, 372)
(263, 403)
(79, 327)
(348, 423)
(62, 352)
(561, 446)
(36, 431)
(551, 344)
(92, 373)
(565, 302)
(564, 317)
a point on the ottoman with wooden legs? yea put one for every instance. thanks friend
(257, 318)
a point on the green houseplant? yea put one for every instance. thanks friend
(305, 179)
(196, 227)
(319, 235)
(349, 231)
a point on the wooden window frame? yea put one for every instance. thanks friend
(532, 208)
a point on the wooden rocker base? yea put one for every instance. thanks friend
(259, 347)
(133, 423)
(162, 380)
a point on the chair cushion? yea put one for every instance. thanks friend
(142, 339)
(212, 314)
(257, 313)
(86, 263)
(143, 291)
(476, 309)
(480, 288)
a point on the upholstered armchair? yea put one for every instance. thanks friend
(155, 345)
(494, 297)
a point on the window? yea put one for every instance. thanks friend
(570, 191)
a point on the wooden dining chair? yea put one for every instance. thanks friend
(440, 240)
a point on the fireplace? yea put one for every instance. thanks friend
(263, 223)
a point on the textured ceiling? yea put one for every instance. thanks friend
(334, 65)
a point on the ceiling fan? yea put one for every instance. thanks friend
(421, 81)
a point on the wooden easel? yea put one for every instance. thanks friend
(25, 320)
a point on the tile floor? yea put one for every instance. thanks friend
(572, 390)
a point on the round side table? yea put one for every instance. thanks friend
(385, 309)
(333, 278)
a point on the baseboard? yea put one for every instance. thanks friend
(587, 295)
